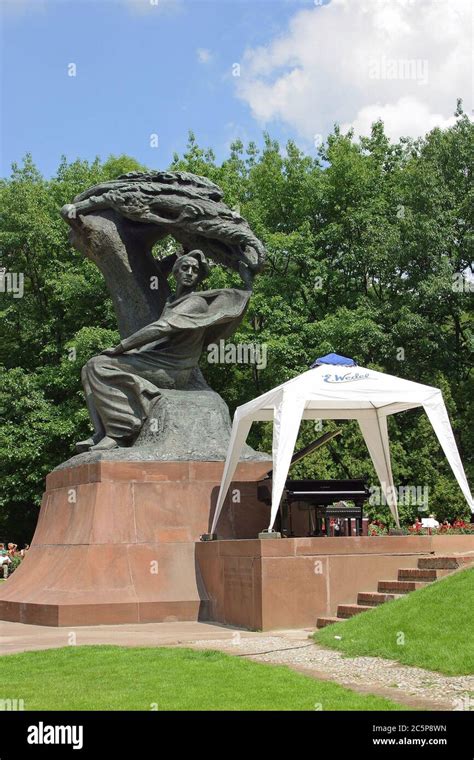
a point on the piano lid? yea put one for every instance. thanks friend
(310, 448)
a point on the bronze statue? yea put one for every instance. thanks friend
(122, 383)
(116, 225)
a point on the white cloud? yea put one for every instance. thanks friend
(353, 62)
(204, 55)
(408, 116)
(144, 6)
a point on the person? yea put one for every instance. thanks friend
(418, 523)
(24, 550)
(5, 561)
(12, 550)
(122, 383)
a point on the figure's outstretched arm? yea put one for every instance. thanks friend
(149, 334)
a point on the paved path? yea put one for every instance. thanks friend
(414, 687)
(18, 637)
(408, 685)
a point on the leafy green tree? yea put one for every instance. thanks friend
(369, 255)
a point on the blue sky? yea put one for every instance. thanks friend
(144, 68)
(139, 71)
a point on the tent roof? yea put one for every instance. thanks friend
(332, 387)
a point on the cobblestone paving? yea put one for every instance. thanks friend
(402, 683)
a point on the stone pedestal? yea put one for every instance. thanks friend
(115, 542)
(182, 426)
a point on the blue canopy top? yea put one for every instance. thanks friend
(334, 359)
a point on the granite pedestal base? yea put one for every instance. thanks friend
(116, 542)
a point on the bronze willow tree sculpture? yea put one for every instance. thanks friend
(116, 224)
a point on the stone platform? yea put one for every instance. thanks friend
(290, 583)
(115, 542)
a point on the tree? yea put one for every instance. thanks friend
(369, 255)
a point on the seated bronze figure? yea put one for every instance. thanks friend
(123, 382)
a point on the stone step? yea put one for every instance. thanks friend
(374, 598)
(349, 610)
(445, 562)
(409, 579)
(322, 622)
(399, 587)
(417, 574)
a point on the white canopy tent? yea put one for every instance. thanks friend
(337, 391)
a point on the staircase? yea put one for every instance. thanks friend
(409, 579)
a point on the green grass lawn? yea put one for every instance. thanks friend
(122, 678)
(432, 628)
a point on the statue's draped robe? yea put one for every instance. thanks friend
(121, 389)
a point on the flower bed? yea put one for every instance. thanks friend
(459, 527)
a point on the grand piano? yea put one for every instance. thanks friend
(322, 499)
